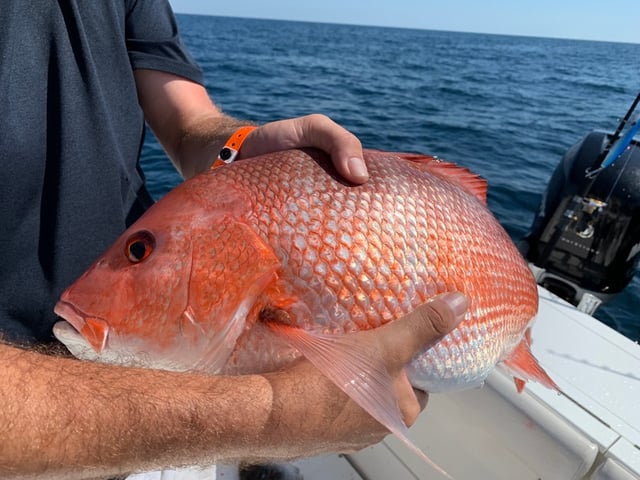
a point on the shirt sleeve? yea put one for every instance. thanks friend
(153, 40)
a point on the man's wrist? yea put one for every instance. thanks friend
(232, 146)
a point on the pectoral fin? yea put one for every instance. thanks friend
(357, 372)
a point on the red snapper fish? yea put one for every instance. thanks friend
(245, 268)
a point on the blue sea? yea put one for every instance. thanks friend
(507, 107)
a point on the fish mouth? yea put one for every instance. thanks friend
(71, 314)
(95, 330)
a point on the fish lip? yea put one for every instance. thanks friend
(73, 315)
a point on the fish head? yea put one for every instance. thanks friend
(131, 296)
(172, 292)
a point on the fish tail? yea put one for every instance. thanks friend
(348, 364)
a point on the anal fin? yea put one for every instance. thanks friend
(525, 367)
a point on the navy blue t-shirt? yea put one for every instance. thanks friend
(71, 130)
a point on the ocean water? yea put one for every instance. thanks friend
(507, 107)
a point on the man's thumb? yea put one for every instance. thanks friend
(427, 324)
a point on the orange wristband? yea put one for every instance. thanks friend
(230, 150)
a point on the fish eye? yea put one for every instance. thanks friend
(139, 246)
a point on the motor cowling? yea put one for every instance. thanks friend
(584, 244)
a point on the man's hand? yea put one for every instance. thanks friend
(317, 131)
(192, 129)
(324, 419)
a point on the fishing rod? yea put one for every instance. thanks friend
(616, 145)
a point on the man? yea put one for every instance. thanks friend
(78, 79)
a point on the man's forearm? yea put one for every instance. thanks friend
(191, 129)
(62, 418)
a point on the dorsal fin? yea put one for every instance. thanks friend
(461, 176)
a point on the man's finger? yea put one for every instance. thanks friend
(423, 327)
(410, 400)
(422, 397)
(345, 149)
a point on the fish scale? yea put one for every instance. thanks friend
(413, 227)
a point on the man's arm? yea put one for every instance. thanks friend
(62, 418)
(192, 130)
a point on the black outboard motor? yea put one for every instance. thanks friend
(584, 244)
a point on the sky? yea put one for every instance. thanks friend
(608, 20)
